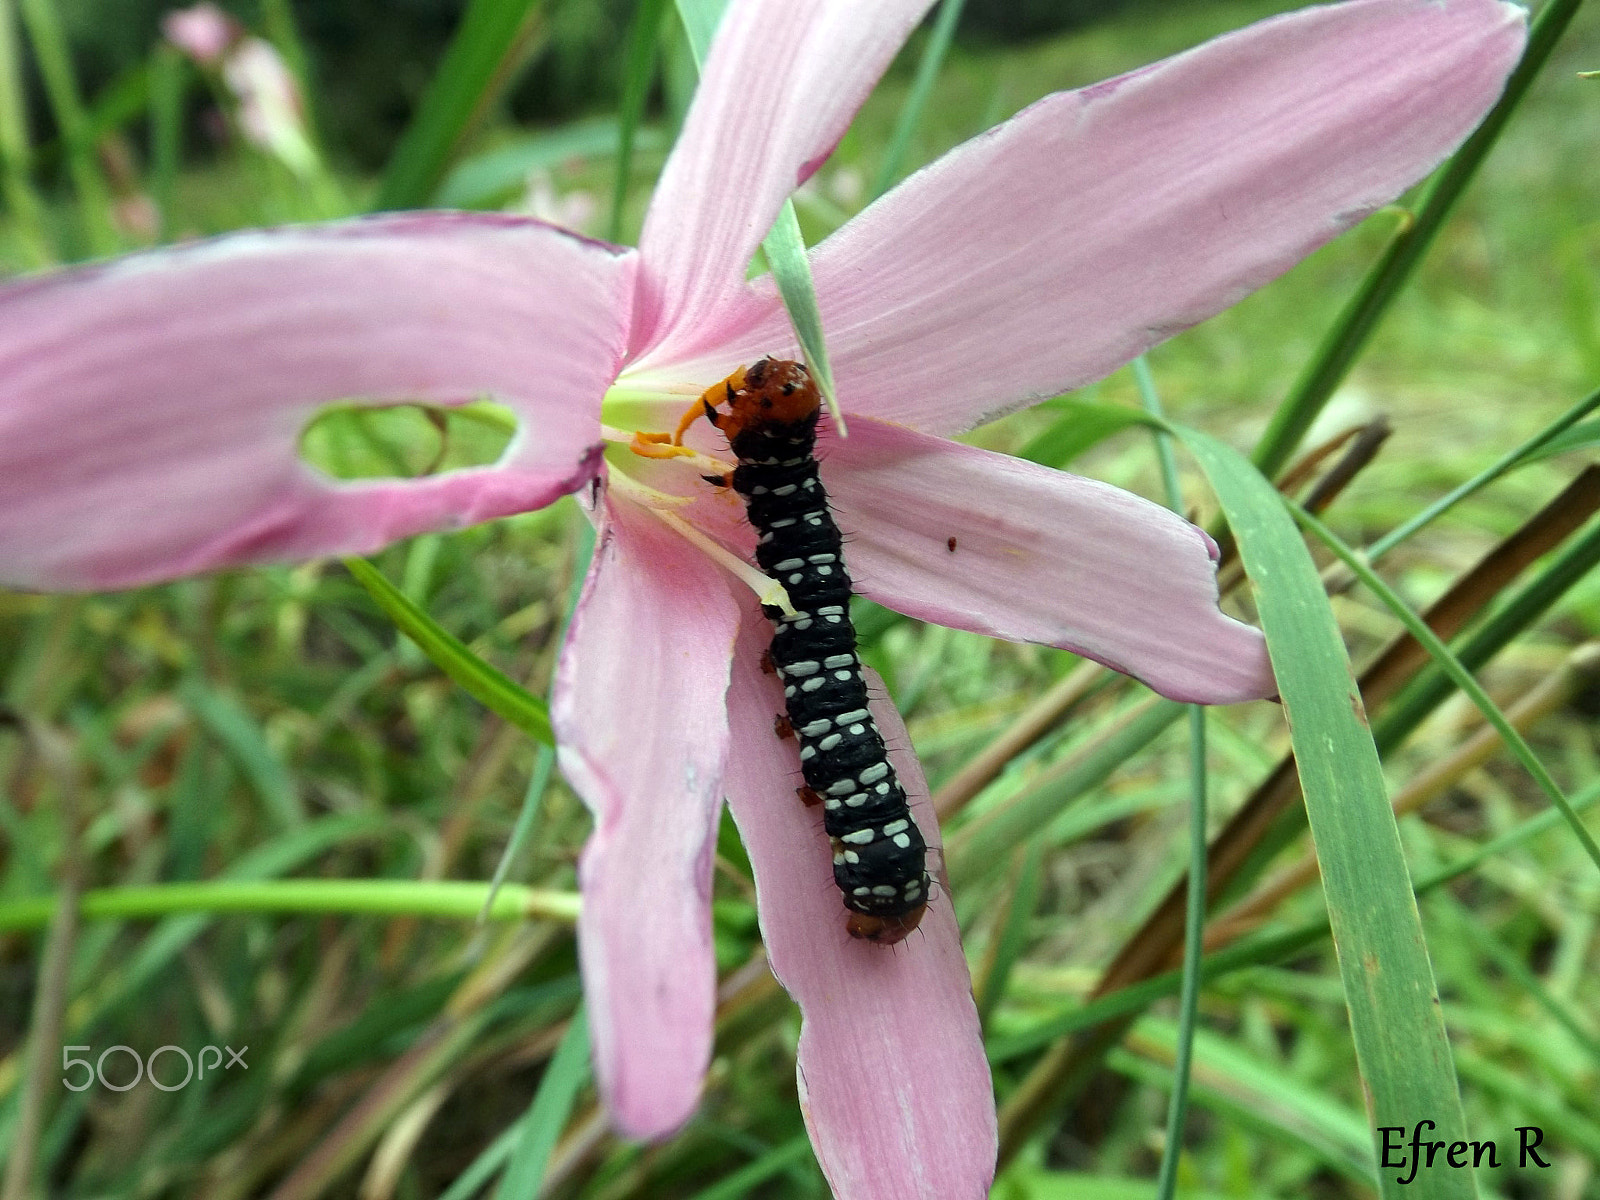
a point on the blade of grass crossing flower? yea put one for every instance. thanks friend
(644, 44)
(1401, 1047)
(786, 255)
(1384, 281)
(1547, 441)
(933, 52)
(1195, 912)
(552, 1105)
(477, 64)
(784, 247)
(482, 681)
(61, 86)
(1459, 675)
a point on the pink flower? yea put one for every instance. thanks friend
(203, 31)
(270, 112)
(150, 410)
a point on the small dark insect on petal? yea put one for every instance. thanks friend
(951, 545)
(781, 726)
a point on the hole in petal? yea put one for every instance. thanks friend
(405, 441)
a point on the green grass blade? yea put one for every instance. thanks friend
(770, 1165)
(1407, 710)
(791, 269)
(552, 1106)
(476, 66)
(1388, 276)
(1564, 433)
(169, 74)
(26, 208)
(784, 247)
(242, 736)
(453, 899)
(700, 18)
(61, 85)
(938, 45)
(1459, 675)
(480, 680)
(644, 44)
(1082, 424)
(543, 765)
(1401, 1046)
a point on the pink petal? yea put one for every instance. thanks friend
(203, 32)
(1040, 556)
(151, 408)
(639, 713)
(893, 1080)
(782, 81)
(1045, 253)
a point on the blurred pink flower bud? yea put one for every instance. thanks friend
(203, 32)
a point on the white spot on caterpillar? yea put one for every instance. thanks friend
(807, 667)
(838, 660)
(829, 742)
(903, 840)
(790, 564)
(874, 773)
(810, 685)
(894, 827)
(859, 838)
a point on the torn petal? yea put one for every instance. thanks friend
(151, 407)
(640, 717)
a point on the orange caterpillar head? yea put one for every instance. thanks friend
(884, 931)
(777, 390)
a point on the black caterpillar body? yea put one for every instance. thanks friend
(879, 857)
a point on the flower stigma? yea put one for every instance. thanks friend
(648, 463)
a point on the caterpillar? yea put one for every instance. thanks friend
(879, 857)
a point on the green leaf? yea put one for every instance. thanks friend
(241, 734)
(700, 18)
(1458, 673)
(644, 44)
(791, 269)
(482, 681)
(477, 66)
(488, 179)
(552, 1106)
(1401, 1046)
(1584, 436)
(1082, 424)
(784, 247)
(938, 45)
